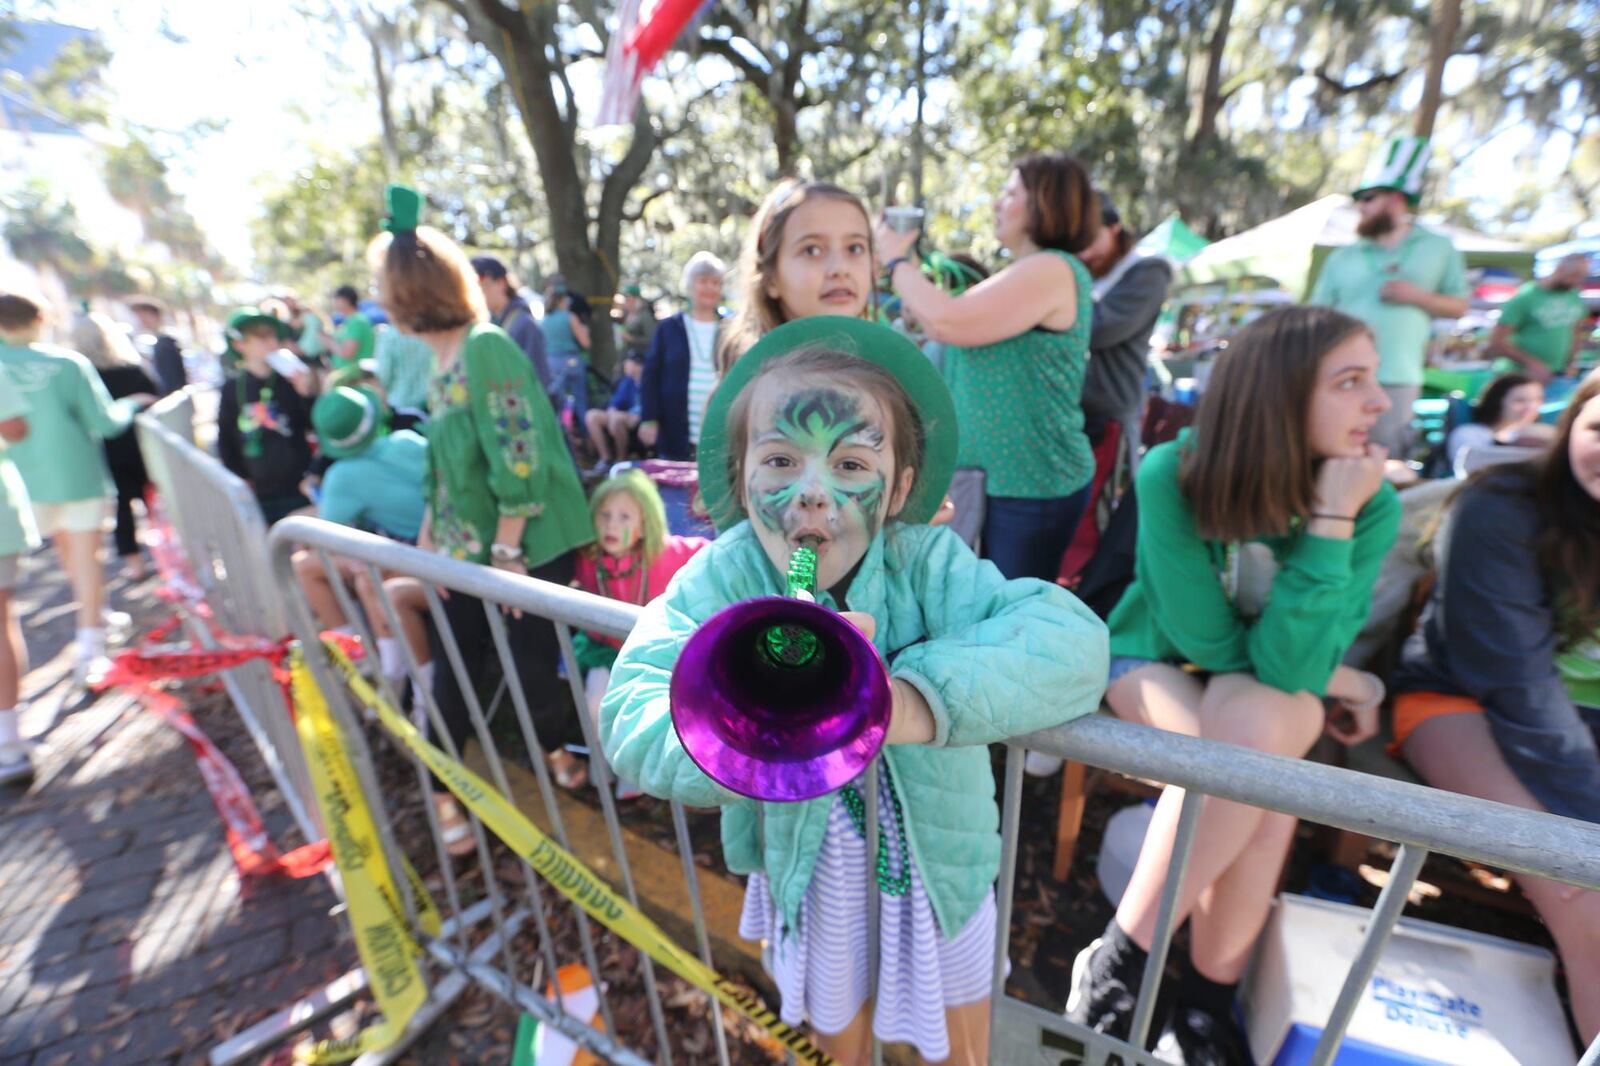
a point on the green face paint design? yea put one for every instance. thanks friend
(817, 421)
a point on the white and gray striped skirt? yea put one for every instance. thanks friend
(821, 967)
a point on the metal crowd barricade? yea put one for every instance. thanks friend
(223, 540)
(1417, 818)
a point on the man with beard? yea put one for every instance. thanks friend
(1397, 278)
(1129, 288)
(1541, 328)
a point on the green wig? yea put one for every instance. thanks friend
(653, 513)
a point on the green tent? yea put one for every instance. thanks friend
(1293, 248)
(1173, 239)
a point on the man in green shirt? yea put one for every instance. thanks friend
(1541, 327)
(355, 338)
(1397, 278)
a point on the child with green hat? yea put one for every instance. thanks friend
(836, 434)
(262, 420)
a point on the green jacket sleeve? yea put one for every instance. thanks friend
(503, 415)
(92, 404)
(1001, 658)
(1320, 599)
(1178, 575)
(636, 729)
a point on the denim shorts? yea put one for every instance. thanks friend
(1125, 664)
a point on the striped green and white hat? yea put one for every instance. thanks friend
(1398, 165)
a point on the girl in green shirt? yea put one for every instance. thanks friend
(1018, 347)
(1260, 537)
(502, 490)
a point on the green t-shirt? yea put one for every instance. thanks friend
(1178, 608)
(495, 448)
(356, 327)
(17, 532)
(61, 458)
(1019, 405)
(1354, 274)
(1542, 323)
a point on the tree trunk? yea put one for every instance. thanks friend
(785, 132)
(1211, 89)
(380, 74)
(587, 242)
(1444, 22)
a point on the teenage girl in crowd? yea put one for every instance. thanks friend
(1497, 689)
(501, 488)
(839, 433)
(808, 252)
(116, 360)
(1506, 414)
(632, 560)
(1017, 349)
(1260, 536)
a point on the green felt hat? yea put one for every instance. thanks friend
(866, 340)
(632, 290)
(347, 421)
(243, 318)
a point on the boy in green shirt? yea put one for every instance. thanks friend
(1540, 328)
(355, 338)
(62, 461)
(17, 535)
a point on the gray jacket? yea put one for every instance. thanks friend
(518, 321)
(1119, 341)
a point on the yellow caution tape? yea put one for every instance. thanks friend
(388, 952)
(563, 870)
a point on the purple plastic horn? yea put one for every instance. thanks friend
(780, 730)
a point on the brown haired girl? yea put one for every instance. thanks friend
(1498, 691)
(808, 252)
(503, 490)
(1019, 345)
(1260, 536)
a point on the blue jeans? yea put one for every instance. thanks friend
(1027, 538)
(572, 379)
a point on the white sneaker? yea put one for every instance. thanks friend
(87, 673)
(15, 763)
(1038, 764)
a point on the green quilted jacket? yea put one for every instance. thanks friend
(994, 659)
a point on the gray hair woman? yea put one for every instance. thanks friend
(680, 367)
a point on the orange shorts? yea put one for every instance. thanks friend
(1411, 709)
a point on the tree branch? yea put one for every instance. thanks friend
(723, 46)
(1340, 88)
(637, 214)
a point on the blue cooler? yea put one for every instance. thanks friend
(1439, 996)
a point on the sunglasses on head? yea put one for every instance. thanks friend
(1369, 195)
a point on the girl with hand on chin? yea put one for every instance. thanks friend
(1261, 532)
(838, 434)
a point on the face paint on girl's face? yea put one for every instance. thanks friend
(618, 524)
(818, 468)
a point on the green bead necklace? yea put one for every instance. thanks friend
(856, 806)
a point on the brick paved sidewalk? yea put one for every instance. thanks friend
(125, 934)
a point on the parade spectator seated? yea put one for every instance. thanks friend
(1260, 534)
(680, 368)
(103, 343)
(509, 311)
(502, 490)
(61, 460)
(632, 560)
(1505, 416)
(375, 483)
(159, 347)
(612, 430)
(356, 337)
(262, 420)
(1496, 697)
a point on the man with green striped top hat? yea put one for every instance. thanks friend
(1397, 277)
